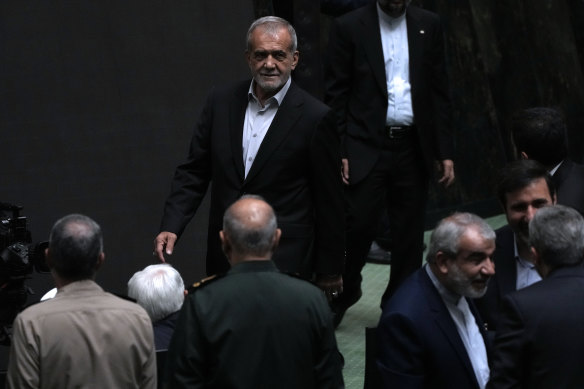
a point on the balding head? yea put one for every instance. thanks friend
(75, 248)
(250, 231)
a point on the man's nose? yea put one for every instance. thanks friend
(269, 62)
(488, 268)
(530, 213)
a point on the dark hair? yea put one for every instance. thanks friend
(75, 245)
(518, 174)
(541, 133)
(557, 234)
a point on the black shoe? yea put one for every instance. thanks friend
(342, 303)
(378, 255)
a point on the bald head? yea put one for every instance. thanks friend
(250, 230)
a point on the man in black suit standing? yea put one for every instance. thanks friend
(540, 133)
(541, 343)
(524, 188)
(271, 138)
(386, 80)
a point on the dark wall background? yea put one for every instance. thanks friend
(502, 57)
(97, 104)
(98, 100)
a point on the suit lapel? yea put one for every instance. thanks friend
(373, 47)
(237, 109)
(288, 114)
(415, 46)
(447, 326)
(507, 269)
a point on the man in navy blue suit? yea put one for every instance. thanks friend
(430, 334)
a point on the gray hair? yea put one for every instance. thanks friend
(557, 234)
(159, 289)
(75, 244)
(446, 236)
(246, 239)
(272, 25)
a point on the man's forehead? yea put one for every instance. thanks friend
(536, 189)
(472, 241)
(261, 35)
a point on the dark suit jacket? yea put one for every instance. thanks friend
(503, 282)
(356, 87)
(540, 343)
(569, 182)
(419, 345)
(296, 170)
(163, 330)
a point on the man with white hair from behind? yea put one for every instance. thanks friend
(160, 290)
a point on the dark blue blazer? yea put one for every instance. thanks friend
(540, 341)
(503, 282)
(419, 345)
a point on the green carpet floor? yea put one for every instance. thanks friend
(351, 332)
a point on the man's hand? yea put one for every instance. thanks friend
(164, 240)
(332, 285)
(345, 170)
(446, 167)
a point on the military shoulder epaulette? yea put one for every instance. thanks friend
(203, 282)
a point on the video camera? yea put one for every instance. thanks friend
(18, 258)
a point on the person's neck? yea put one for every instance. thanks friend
(524, 251)
(61, 282)
(237, 259)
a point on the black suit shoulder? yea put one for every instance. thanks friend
(569, 181)
(298, 95)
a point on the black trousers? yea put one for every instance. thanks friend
(398, 182)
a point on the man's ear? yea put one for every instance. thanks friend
(442, 262)
(225, 245)
(48, 259)
(541, 268)
(100, 261)
(295, 58)
(277, 236)
(276, 240)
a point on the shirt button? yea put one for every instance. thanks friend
(250, 159)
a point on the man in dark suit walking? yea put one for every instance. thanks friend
(271, 138)
(386, 80)
(540, 343)
(430, 335)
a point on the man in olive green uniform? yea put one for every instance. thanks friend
(254, 327)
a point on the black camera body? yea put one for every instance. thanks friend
(18, 258)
